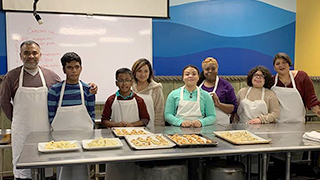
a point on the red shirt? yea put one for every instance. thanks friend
(142, 108)
(305, 88)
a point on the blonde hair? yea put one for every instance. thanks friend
(209, 60)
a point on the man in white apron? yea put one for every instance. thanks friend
(71, 107)
(23, 85)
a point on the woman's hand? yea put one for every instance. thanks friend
(196, 123)
(254, 121)
(215, 99)
(93, 88)
(186, 123)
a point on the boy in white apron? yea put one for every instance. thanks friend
(71, 107)
(124, 108)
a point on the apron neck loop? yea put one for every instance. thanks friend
(63, 89)
(40, 73)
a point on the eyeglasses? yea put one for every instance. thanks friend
(124, 81)
(258, 75)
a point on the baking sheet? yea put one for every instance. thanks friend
(151, 146)
(130, 130)
(242, 141)
(86, 141)
(41, 147)
(195, 143)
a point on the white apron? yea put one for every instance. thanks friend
(123, 110)
(221, 117)
(291, 104)
(248, 110)
(72, 118)
(189, 110)
(149, 103)
(30, 113)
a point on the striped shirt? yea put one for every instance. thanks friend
(71, 97)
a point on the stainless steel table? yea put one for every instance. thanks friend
(286, 138)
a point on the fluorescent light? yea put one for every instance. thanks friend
(82, 31)
(77, 45)
(116, 40)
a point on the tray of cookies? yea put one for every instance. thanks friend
(241, 137)
(191, 140)
(149, 141)
(129, 131)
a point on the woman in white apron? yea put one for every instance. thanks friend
(294, 89)
(258, 104)
(149, 90)
(221, 90)
(189, 106)
(295, 92)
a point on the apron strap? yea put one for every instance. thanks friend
(63, 89)
(262, 96)
(291, 78)
(40, 73)
(215, 84)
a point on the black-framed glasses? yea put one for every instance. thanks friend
(124, 81)
(258, 75)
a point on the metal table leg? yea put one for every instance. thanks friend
(264, 166)
(35, 174)
(249, 166)
(288, 163)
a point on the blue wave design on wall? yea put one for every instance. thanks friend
(173, 40)
(232, 61)
(231, 18)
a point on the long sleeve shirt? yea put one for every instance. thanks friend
(71, 97)
(10, 85)
(305, 87)
(142, 108)
(158, 100)
(206, 106)
(225, 92)
(270, 99)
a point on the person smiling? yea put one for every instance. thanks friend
(257, 103)
(221, 90)
(149, 90)
(190, 106)
(294, 89)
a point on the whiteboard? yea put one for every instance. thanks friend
(104, 44)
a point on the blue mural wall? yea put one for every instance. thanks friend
(241, 34)
(3, 52)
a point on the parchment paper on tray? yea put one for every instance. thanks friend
(101, 143)
(191, 140)
(241, 137)
(58, 146)
(128, 131)
(150, 141)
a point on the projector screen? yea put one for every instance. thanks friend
(136, 8)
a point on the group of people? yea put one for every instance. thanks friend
(35, 99)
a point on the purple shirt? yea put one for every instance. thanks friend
(225, 93)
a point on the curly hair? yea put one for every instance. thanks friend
(267, 76)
